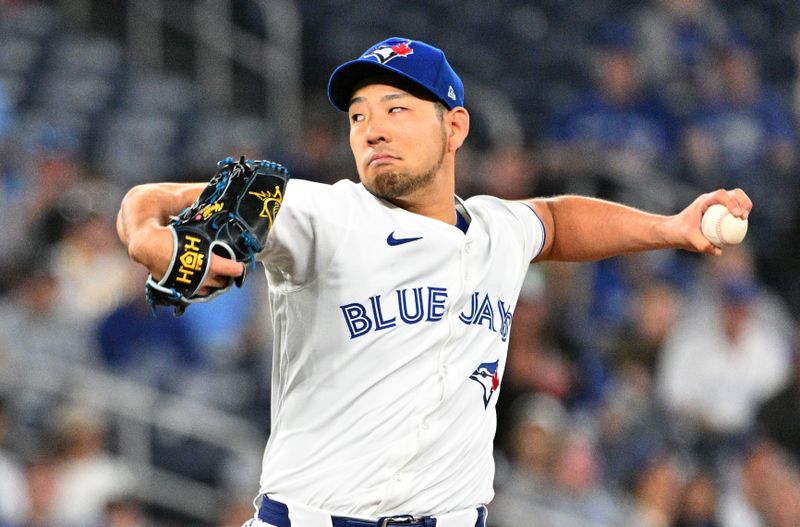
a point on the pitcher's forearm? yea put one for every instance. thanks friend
(142, 219)
(583, 228)
(151, 205)
(580, 228)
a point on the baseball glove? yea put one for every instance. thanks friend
(231, 217)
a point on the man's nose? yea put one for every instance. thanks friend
(377, 131)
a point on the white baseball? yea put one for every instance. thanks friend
(721, 227)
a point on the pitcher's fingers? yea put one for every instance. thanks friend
(743, 200)
(225, 266)
(723, 197)
(703, 245)
(216, 281)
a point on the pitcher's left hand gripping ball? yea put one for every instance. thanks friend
(232, 218)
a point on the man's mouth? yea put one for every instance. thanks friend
(380, 158)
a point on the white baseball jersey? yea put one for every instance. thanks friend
(391, 332)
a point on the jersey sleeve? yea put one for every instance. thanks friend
(530, 226)
(303, 239)
(515, 217)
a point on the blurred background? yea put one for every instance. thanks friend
(658, 390)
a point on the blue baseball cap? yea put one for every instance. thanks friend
(421, 63)
(739, 290)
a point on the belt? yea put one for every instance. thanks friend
(277, 514)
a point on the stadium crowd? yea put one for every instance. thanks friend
(658, 390)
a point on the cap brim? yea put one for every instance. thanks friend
(347, 76)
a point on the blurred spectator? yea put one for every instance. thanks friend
(324, 157)
(535, 363)
(698, 503)
(782, 500)
(15, 199)
(653, 311)
(616, 132)
(783, 275)
(155, 350)
(235, 513)
(34, 328)
(124, 512)
(12, 189)
(677, 41)
(509, 172)
(578, 484)
(13, 494)
(41, 482)
(539, 425)
(53, 170)
(92, 271)
(556, 476)
(622, 289)
(87, 476)
(743, 500)
(230, 340)
(779, 416)
(728, 354)
(656, 488)
(7, 114)
(219, 328)
(616, 137)
(795, 51)
(39, 171)
(625, 320)
(632, 426)
(743, 136)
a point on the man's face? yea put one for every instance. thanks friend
(398, 139)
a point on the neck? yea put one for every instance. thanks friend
(434, 201)
(441, 211)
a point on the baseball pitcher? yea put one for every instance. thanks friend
(392, 301)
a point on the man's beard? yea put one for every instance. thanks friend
(393, 185)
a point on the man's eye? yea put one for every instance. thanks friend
(356, 117)
(396, 109)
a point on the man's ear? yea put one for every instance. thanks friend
(458, 127)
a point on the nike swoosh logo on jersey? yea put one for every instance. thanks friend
(391, 240)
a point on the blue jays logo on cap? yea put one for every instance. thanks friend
(384, 54)
(424, 65)
(486, 375)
